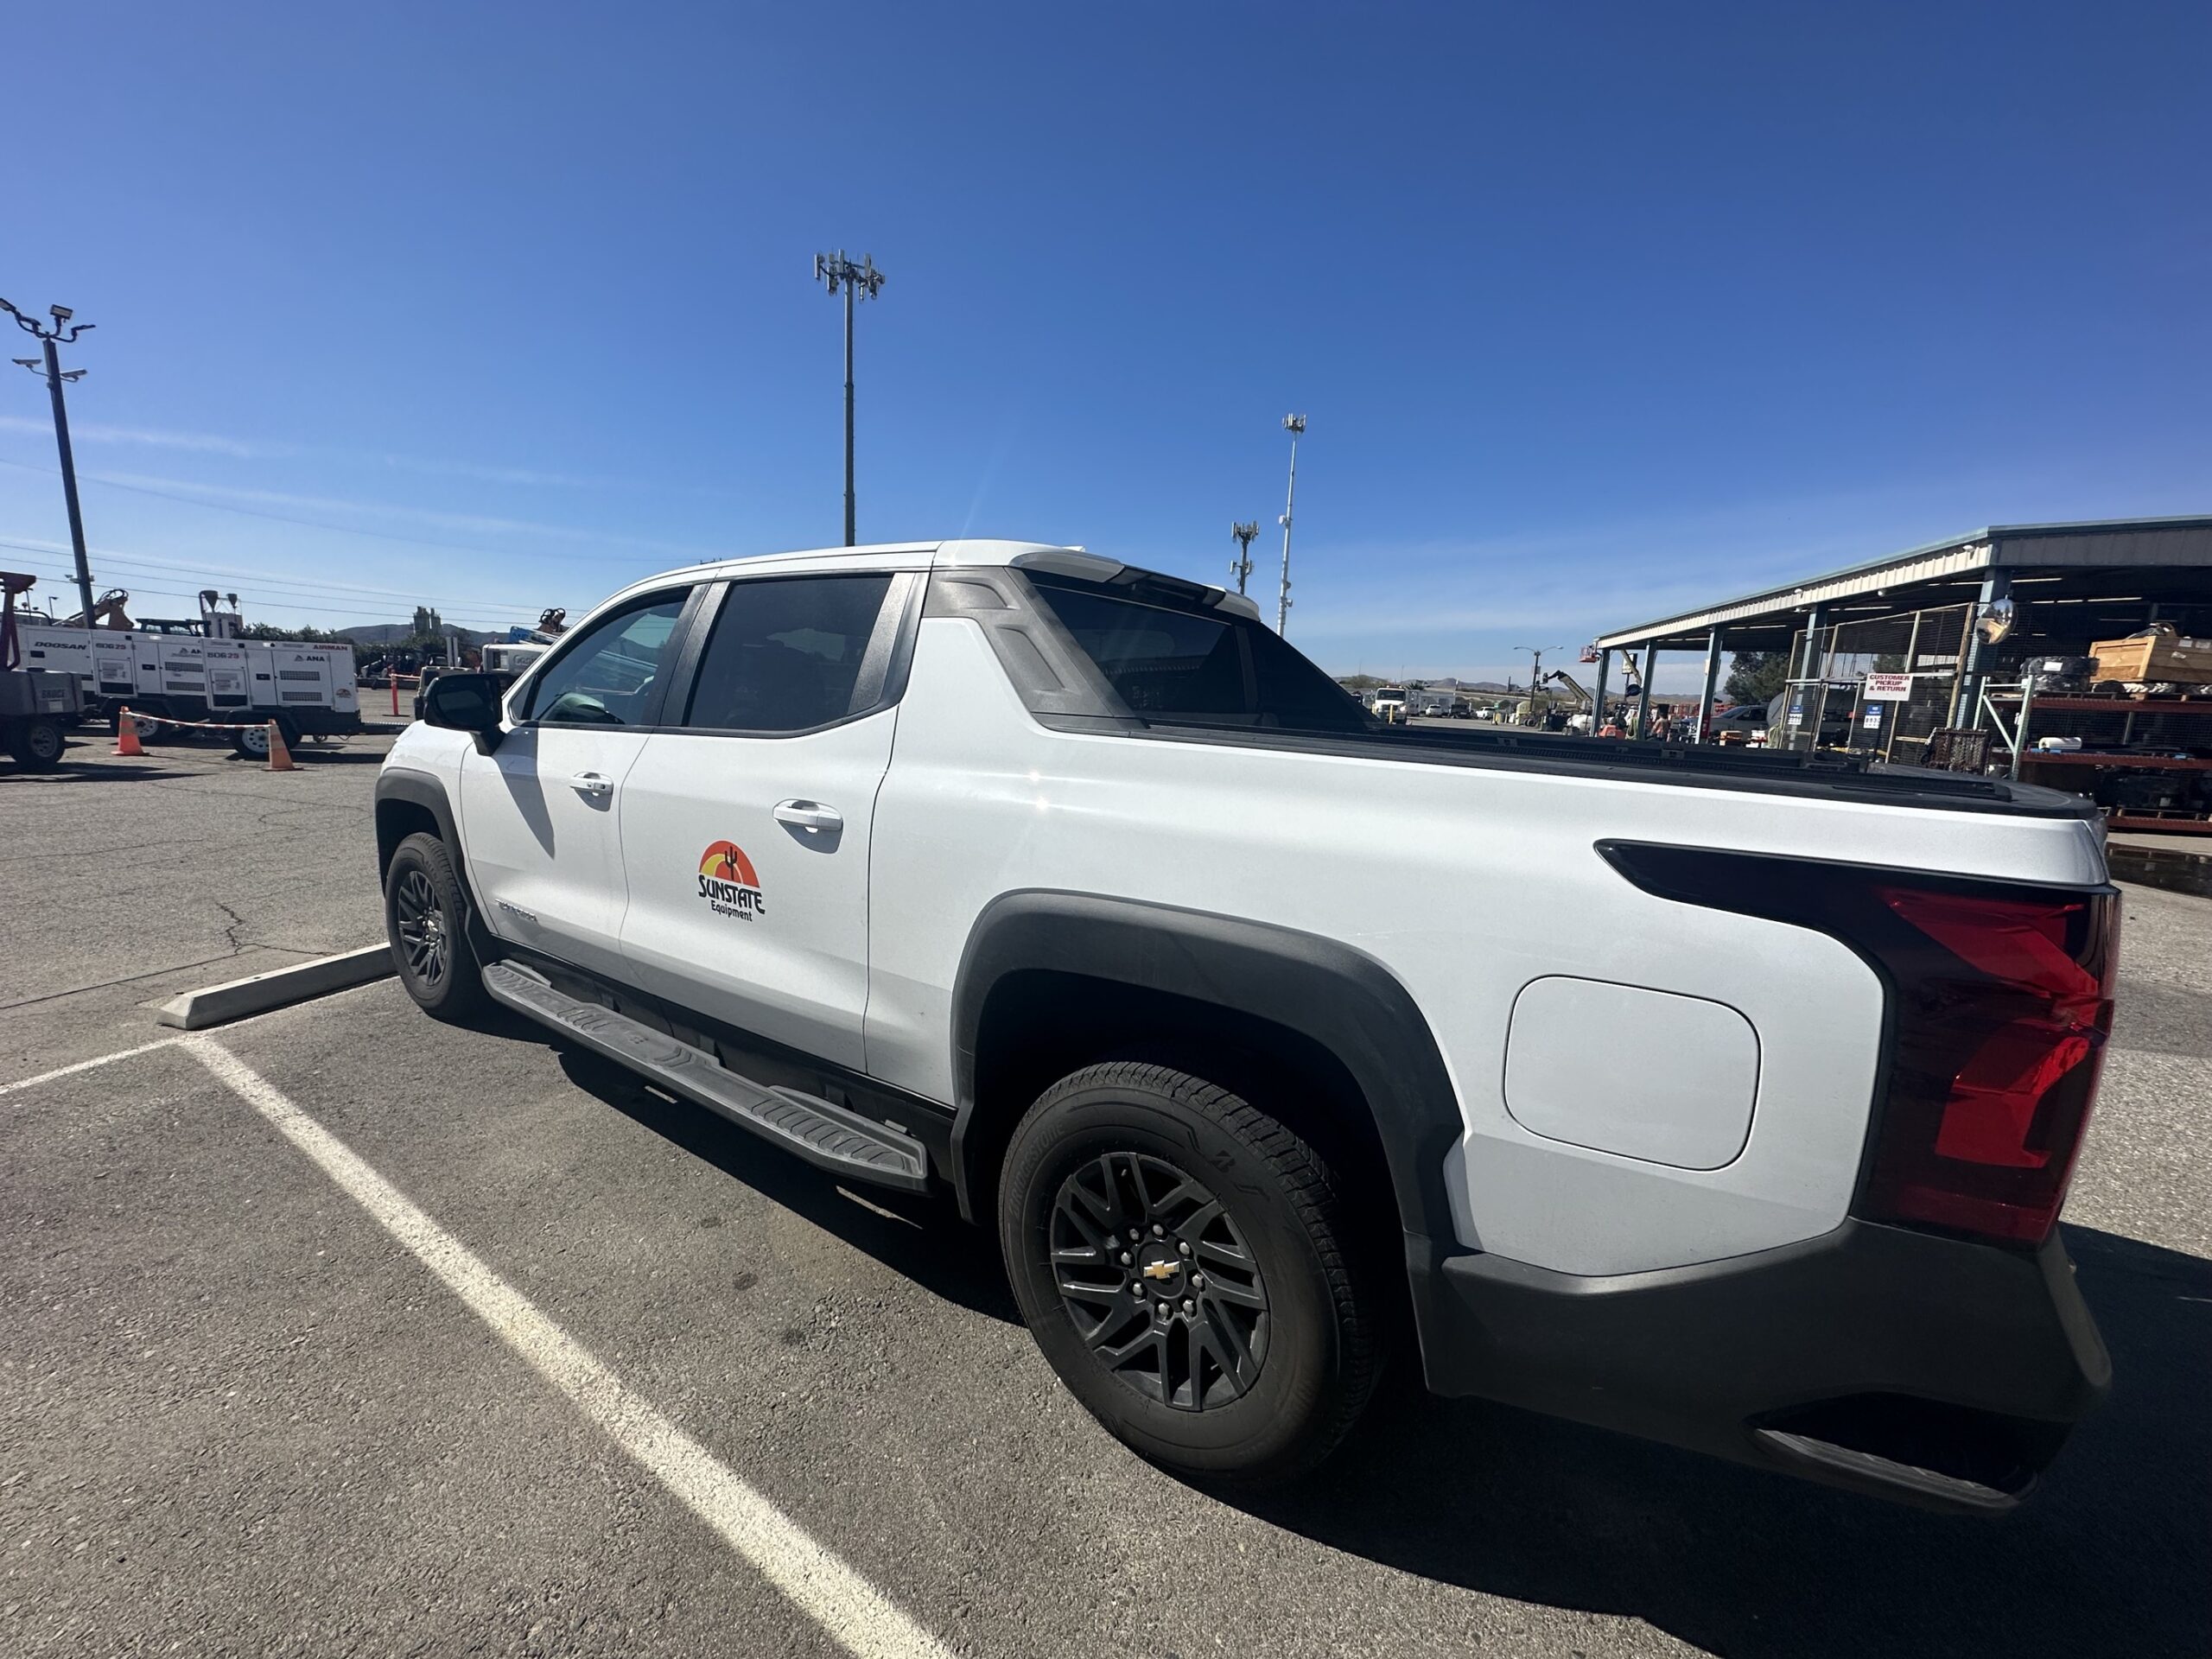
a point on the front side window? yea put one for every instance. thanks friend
(608, 677)
(789, 653)
(1186, 663)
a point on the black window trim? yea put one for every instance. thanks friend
(525, 691)
(889, 655)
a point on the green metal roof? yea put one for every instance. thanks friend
(2117, 544)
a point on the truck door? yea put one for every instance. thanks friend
(539, 814)
(746, 831)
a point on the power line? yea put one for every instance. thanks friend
(340, 530)
(294, 595)
(267, 579)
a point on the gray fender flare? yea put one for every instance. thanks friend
(1339, 996)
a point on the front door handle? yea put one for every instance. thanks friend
(590, 783)
(811, 815)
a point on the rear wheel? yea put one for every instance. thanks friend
(422, 912)
(251, 743)
(1182, 1259)
(36, 744)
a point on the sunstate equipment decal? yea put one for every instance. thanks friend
(728, 883)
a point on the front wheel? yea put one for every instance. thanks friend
(1183, 1260)
(422, 911)
(36, 744)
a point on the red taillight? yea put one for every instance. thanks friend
(1999, 1004)
(2002, 1021)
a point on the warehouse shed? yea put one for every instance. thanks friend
(1974, 652)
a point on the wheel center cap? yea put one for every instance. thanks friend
(1162, 1271)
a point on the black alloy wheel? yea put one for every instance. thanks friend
(1186, 1263)
(422, 929)
(1159, 1282)
(424, 919)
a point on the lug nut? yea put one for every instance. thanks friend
(1198, 1282)
(1125, 1258)
(1134, 1235)
(1159, 1231)
(1190, 1306)
(1185, 1248)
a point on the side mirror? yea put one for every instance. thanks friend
(467, 702)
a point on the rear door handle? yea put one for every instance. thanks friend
(809, 815)
(590, 783)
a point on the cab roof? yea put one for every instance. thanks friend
(922, 555)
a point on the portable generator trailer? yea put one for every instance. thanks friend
(204, 671)
(35, 706)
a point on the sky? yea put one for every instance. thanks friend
(1595, 312)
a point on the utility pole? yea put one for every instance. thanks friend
(49, 364)
(861, 282)
(1240, 566)
(1535, 677)
(1294, 424)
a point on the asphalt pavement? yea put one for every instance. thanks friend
(353, 1332)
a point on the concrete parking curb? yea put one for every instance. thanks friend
(2182, 869)
(215, 1005)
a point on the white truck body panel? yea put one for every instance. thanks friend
(980, 800)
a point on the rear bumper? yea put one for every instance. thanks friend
(1919, 1368)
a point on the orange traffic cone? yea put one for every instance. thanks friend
(126, 735)
(280, 758)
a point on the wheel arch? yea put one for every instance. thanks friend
(410, 802)
(1053, 981)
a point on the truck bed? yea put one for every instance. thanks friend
(1693, 765)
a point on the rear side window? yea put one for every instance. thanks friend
(1174, 663)
(790, 653)
(609, 675)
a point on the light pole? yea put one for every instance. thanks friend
(863, 282)
(49, 364)
(1535, 674)
(1240, 566)
(1294, 424)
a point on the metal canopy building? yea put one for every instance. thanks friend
(2070, 584)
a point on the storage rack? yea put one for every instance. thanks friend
(2059, 768)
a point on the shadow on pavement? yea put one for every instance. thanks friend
(2112, 1556)
(923, 1239)
(102, 772)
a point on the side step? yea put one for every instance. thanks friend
(818, 1130)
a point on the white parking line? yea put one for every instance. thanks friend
(853, 1611)
(85, 1065)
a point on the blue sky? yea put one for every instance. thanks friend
(1594, 311)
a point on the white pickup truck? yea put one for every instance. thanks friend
(1724, 1097)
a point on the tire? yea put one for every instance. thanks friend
(289, 729)
(36, 744)
(422, 912)
(1103, 1150)
(251, 743)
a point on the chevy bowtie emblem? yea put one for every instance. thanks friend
(1160, 1269)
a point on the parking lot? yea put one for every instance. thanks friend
(341, 1331)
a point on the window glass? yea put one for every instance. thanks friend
(1186, 663)
(608, 677)
(786, 654)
